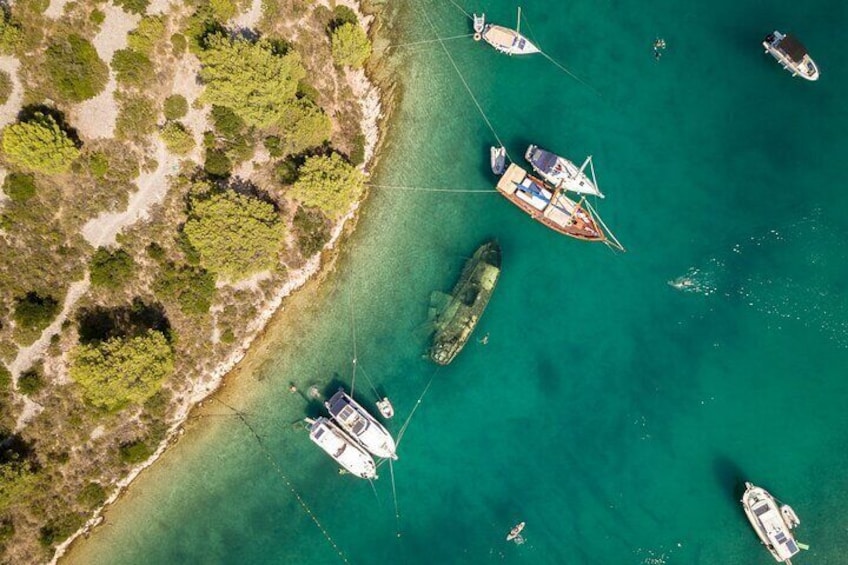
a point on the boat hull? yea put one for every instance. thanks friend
(508, 40)
(498, 160)
(469, 299)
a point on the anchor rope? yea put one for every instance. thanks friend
(458, 7)
(425, 41)
(370, 382)
(394, 497)
(352, 328)
(429, 189)
(414, 408)
(286, 480)
(464, 82)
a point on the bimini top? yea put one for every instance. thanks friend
(793, 48)
(361, 425)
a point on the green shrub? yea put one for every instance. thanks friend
(217, 164)
(178, 44)
(97, 17)
(131, 68)
(177, 139)
(274, 146)
(256, 82)
(228, 337)
(227, 122)
(351, 46)
(58, 529)
(175, 107)
(91, 496)
(98, 164)
(7, 529)
(74, 68)
(357, 154)
(111, 269)
(329, 183)
(17, 480)
(5, 87)
(190, 254)
(30, 382)
(311, 229)
(136, 116)
(343, 15)
(307, 126)
(122, 370)
(286, 171)
(155, 251)
(236, 235)
(10, 31)
(5, 379)
(223, 10)
(39, 144)
(144, 37)
(19, 187)
(34, 312)
(192, 288)
(134, 452)
(133, 6)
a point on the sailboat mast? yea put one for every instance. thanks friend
(518, 26)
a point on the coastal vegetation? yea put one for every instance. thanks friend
(146, 222)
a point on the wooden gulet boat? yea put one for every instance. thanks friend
(552, 208)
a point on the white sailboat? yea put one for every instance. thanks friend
(773, 523)
(561, 172)
(509, 41)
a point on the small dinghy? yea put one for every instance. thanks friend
(498, 160)
(386, 409)
(479, 25)
(515, 533)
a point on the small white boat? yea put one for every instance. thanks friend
(386, 409)
(509, 41)
(361, 425)
(791, 54)
(773, 523)
(498, 160)
(342, 449)
(515, 533)
(560, 172)
(479, 24)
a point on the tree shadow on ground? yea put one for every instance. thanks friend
(100, 323)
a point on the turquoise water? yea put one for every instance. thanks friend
(614, 413)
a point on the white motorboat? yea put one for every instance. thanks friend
(791, 54)
(772, 522)
(343, 449)
(361, 425)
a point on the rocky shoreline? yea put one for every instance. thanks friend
(376, 103)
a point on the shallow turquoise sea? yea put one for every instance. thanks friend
(616, 414)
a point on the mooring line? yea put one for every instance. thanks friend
(394, 497)
(464, 82)
(572, 75)
(414, 408)
(458, 7)
(288, 483)
(425, 41)
(352, 327)
(428, 189)
(370, 382)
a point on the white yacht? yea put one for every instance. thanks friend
(791, 54)
(361, 425)
(562, 173)
(344, 450)
(772, 522)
